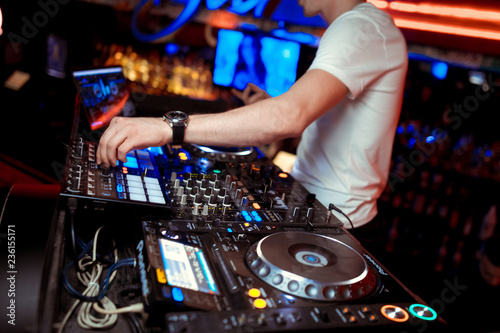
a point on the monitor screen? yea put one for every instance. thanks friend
(268, 62)
(103, 93)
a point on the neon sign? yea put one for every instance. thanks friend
(239, 7)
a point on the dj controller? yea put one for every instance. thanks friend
(240, 246)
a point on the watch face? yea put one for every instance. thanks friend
(177, 116)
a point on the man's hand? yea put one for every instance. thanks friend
(126, 134)
(251, 94)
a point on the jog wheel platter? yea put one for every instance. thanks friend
(223, 154)
(311, 266)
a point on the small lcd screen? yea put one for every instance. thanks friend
(186, 267)
(268, 62)
(103, 93)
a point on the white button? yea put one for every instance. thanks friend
(137, 190)
(138, 197)
(155, 199)
(150, 180)
(134, 178)
(155, 192)
(153, 187)
(135, 184)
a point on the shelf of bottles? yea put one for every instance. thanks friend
(157, 73)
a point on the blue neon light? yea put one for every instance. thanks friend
(411, 143)
(299, 37)
(291, 12)
(171, 48)
(188, 12)
(229, 230)
(177, 294)
(439, 70)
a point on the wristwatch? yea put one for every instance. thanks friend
(178, 120)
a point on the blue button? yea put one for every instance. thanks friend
(246, 216)
(256, 216)
(177, 294)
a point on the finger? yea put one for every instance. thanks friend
(122, 150)
(246, 94)
(253, 87)
(237, 93)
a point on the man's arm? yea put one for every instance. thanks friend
(257, 124)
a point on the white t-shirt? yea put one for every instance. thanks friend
(344, 156)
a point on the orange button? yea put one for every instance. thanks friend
(256, 205)
(395, 313)
(260, 303)
(254, 292)
(161, 276)
(283, 175)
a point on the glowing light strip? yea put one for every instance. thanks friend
(447, 11)
(447, 29)
(440, 10)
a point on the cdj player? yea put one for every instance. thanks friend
(240, 246)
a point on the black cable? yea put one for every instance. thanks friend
(72, 205)
(335, 208)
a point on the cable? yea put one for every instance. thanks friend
(335, 208)
(89, 272)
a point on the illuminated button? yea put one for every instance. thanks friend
(246, 216)
(161, 276)
(256, 205)
(156, 199)
(346, 310)
(154, 192)
(256, 216)
(153, 187)
(137, 190)
(151, 180)
(260, 303)
(177, 294)
(423, 312)
(394, 313)
(138, 197)
(254, 292)
(134, 178)
(125, 170)
(283, 175)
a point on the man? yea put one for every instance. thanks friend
(346, 107)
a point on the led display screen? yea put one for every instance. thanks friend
(186, 267)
